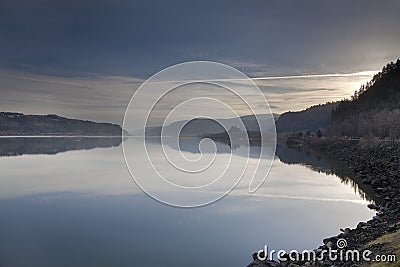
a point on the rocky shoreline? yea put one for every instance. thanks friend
(376, 164)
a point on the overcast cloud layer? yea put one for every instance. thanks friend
(141, 37)
(84, 55)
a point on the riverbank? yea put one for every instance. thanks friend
(377, 165)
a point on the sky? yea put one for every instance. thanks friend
(84, 59)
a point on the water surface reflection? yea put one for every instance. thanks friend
(81, 208)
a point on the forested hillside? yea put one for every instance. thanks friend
(374, 110)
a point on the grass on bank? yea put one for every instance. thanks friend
(390, 245)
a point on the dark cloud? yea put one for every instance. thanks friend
(141, 37)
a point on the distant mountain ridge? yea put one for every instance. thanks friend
(310, 119)
(21, 124)
(202, 126)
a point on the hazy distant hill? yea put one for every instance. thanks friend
(374, 110)
(201, 127)
(20, 124)
(312, 119)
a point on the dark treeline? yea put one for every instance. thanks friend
(373, 110)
